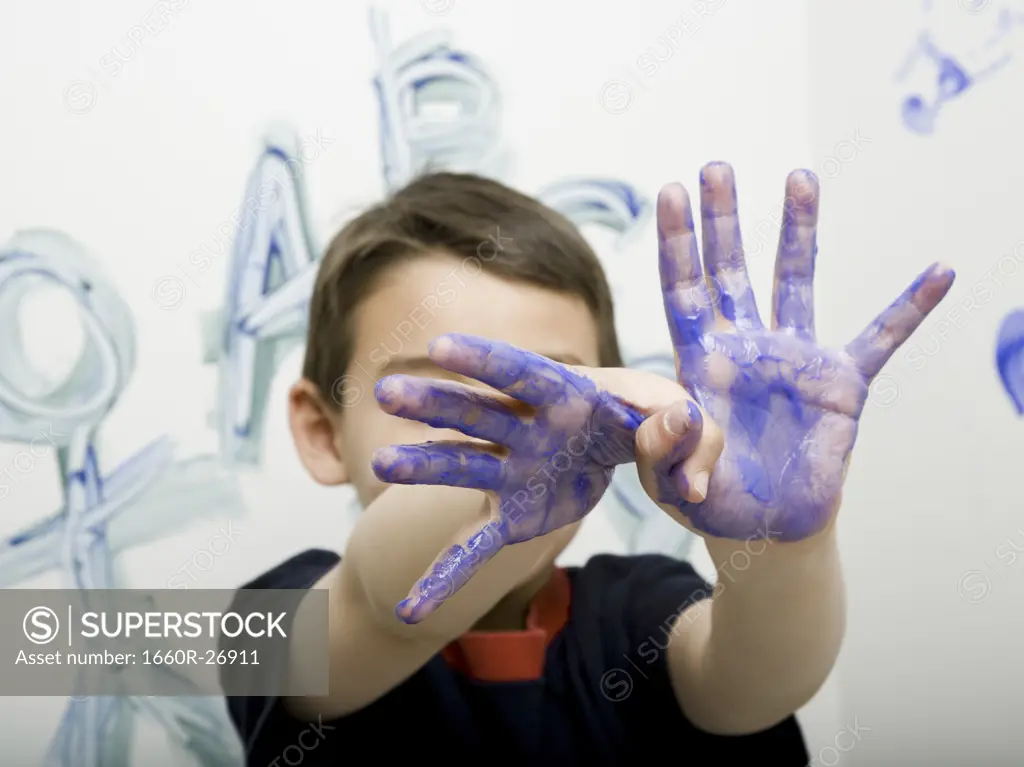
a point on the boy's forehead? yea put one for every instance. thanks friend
(427, 297)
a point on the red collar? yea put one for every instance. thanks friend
(515, 656)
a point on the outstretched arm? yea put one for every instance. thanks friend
(395, 539)
(767, 639)
(541, 453)
(763, 645)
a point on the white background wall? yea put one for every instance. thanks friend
(934, 507)
(159, 160)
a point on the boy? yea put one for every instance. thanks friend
(618, 659)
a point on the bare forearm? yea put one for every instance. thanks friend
(394, 542)
(401, 534)
(767, 640)
(365, 659)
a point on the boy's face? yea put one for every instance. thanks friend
(417, 301)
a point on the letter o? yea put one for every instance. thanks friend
(845, 732)
(733, 564)
(479, 267)
(214, 551)
(195, 560)
(31, 462)
(494, 251)
(224, 624)
(825, 173)
(844, 143)
(568, 446)
(554, 461)
(295, 171)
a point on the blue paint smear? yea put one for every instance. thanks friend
(1010, 358)
(951, 78)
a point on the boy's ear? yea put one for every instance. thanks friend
(314, 430)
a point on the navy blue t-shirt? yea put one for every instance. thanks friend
(603, 697)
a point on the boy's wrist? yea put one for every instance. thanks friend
(417, 522)
(737, 557)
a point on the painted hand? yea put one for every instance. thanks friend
(544, 452)
(788, 408)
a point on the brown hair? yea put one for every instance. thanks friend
(507, 233)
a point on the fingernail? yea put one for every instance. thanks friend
(442, 347)
(677, 418)
(700, 484)
(387, 389)
(403, 611)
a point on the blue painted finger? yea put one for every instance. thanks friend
(877, 343)
(450, 405)
(439, 463)
(793, 297)
(723, 246)
(526, 376)
(612, 431)
(451, 571)
(687, 426)
(688, 306)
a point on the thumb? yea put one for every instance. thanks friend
(676, 450)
